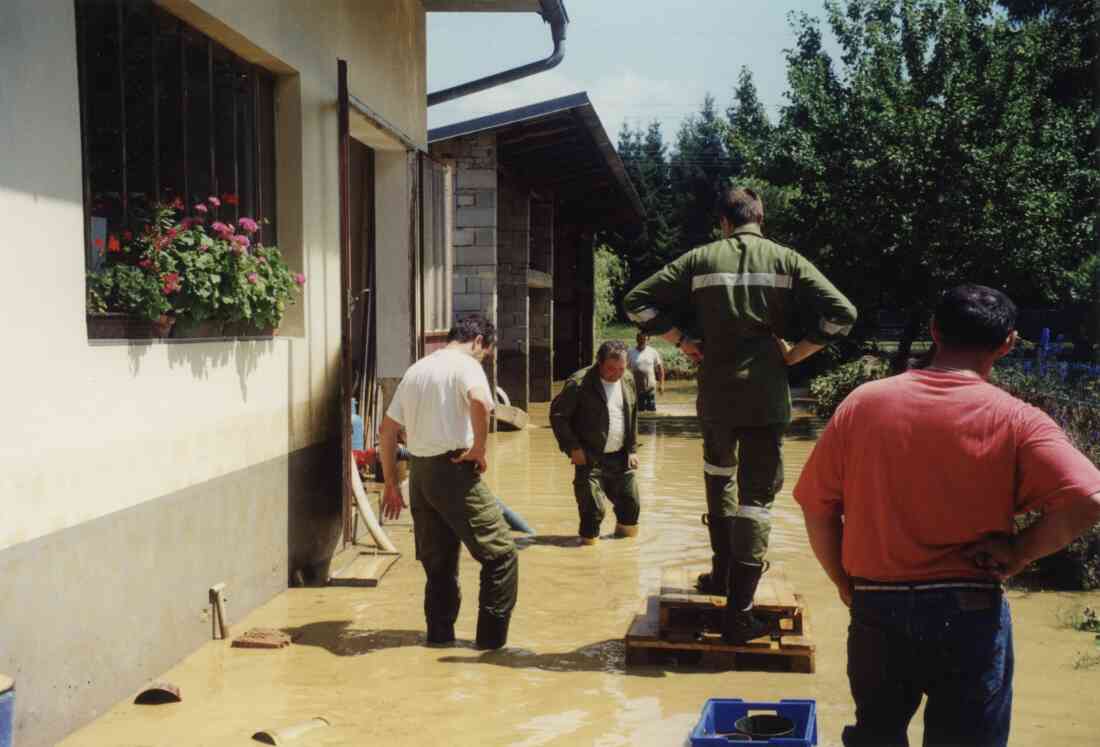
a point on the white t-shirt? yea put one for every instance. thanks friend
(643, 364)
(615, 422)
(432, 402)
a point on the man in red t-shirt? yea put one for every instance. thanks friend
(909, 499)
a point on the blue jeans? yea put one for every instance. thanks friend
(952, 645)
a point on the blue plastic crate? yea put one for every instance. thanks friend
(719, 716)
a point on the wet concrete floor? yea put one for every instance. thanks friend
(360, 662)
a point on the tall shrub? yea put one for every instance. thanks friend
(611, 274)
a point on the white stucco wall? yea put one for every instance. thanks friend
(90, 428)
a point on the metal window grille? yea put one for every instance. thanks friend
(167, 113)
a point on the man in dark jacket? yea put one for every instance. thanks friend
(595, 420)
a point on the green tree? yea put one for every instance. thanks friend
(698, 168)
(646, 158)
(749, 133)
(940, 149)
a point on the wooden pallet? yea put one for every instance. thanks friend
(682, 627)
(685, 611)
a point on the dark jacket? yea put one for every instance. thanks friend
(579, 418)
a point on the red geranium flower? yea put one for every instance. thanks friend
(145, 264)
(230, 199)
(112, 244)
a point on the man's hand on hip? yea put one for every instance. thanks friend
(475, 454)
(392, 502)
(692, 349)
(632, 461)
(998, 555)
(577, 457)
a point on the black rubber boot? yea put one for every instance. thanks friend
(441, 634)
(715, 581)
(739, 624)
(492, 631)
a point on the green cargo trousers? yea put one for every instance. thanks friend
(452, 505)
(739, 512)
(610, 476)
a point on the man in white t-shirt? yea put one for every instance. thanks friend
(443, 402)
(649, 373)
(595, 420)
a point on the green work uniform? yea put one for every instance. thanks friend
(738, 293)
(452, 506)
(580, 420)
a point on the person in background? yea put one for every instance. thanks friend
(443, 402)
(648, 371)
(910, 498)
(595, 421)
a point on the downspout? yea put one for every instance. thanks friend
(553, 12)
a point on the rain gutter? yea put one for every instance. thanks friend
(553, 12)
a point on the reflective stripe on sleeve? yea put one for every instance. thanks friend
(763, 279)
(832, 328)
(754, 513)
(642, 315)
(715, 471)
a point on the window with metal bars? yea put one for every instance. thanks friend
(167, 113)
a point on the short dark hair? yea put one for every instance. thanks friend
(974, 317)
(470, 327)
(611, 349)
(740, 205)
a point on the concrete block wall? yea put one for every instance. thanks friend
(475, 223)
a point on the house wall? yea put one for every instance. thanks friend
(134, 476)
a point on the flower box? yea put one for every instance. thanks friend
(116, 326)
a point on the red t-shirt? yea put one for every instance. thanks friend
(927, 462)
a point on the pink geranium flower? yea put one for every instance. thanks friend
(200, 208)
(214, 201)
(300, 278)
(248, 225)
(223, 230)
(241, 241)
(145, 264)
(253, 278)
(171, 283)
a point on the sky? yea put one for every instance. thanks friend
(639, 60)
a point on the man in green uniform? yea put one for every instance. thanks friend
(595, 420)
(443, 403)
(745, 294)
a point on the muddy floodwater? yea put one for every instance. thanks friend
(360, 663)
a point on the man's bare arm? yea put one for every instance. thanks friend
(826, 535)
(479, 420)
(1007, 556)
(392, 500)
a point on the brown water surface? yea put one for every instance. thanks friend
(361, 664)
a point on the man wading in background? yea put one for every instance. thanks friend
(745, 293)
(909, 497)
(649, 373)
(443, 402)
(595, 420)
